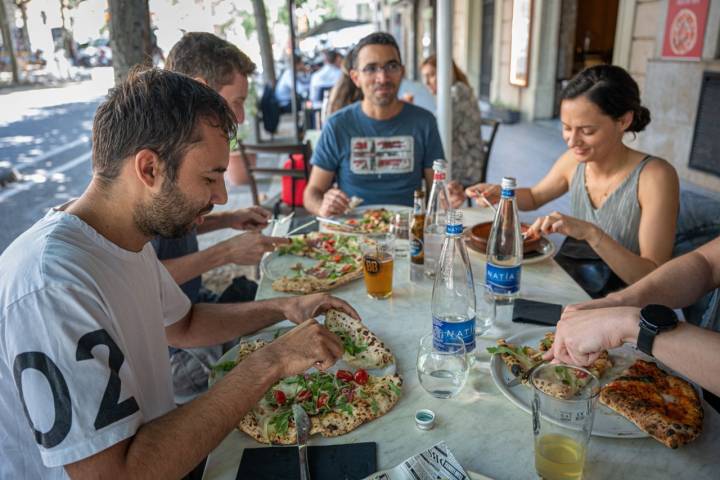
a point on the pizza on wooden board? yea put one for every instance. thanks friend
(663, 405)
(339, 262)
(336, 403)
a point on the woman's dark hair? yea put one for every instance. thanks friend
(158, 110)
(344, 92)
(613, 90)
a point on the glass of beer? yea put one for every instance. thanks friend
(378, 253)
(564, 399)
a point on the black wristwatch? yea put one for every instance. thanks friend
(654, 319)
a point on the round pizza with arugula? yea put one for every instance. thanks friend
(375, 220)
(339, 261)
(337, 401)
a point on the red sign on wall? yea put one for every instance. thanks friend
(685, 28)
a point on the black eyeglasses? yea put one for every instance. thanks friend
(390, 68)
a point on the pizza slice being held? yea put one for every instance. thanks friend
(363, 349)
(663, 405)
(519, 359)
(598, 368)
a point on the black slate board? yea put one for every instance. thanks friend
(331, 462)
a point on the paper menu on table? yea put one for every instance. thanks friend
(435, 463)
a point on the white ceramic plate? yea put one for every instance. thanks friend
(545, 251)
(607, 423)
(270, 335)
(357, 214)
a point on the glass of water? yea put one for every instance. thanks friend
(442, 373)
(484, 309)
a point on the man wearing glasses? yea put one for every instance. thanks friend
(378, 149)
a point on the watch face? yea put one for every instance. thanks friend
(659, 316)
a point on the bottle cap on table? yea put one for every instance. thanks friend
(425, 419)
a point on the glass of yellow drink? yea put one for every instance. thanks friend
(378, 264)
(564, 399)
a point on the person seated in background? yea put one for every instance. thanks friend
(224, 68)
(326, 76)
(624, 202)
(379, 149)
(586, 329)
(283, 88)
(468, 157)
(344, 92)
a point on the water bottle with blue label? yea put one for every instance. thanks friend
(453, 295)
(505, 247)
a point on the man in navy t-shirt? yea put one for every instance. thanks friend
(378, 149)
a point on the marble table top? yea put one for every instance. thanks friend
(485, 432)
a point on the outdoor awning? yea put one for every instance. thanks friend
(331, 25)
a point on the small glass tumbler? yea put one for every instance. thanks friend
(564, 399)
(442, 373)
(484, 309)
(400, 227)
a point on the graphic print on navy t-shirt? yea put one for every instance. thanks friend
(382, 155)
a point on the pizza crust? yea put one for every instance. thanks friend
(376, 355)
(665, 406)
(308, 284)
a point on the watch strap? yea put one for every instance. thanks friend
(646, 338)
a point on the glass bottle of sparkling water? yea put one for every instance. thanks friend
(436, 217)
(453, 295)
(505, 247)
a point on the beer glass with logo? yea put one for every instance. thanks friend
(378, 255)
(564, 399)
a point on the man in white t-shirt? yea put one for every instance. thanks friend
(87, 311)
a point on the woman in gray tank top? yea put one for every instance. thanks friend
(624, 202)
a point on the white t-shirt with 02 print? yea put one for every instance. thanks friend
(83, 352)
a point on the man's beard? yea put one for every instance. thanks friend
(169, 214)
(384, 99)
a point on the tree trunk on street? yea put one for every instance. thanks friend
(130, 38)
(266, 52)
(22, 5)
(7, 39)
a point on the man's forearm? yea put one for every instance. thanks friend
(677, 283)
(185, 268)
(212, 222)
(172, 445)
(687, 349)
(216, 323)
(312, 200)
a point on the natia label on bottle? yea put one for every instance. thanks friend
(504, 280)
(507, 193)
(445, 333)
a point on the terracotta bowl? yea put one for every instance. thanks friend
(477, 237)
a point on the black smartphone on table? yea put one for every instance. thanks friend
(539, 313)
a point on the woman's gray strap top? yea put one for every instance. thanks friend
(619, 216)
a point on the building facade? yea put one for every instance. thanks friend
(518, 54)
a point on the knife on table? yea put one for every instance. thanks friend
(302, 425)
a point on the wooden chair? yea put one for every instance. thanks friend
(487, 148)
(289, 149)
